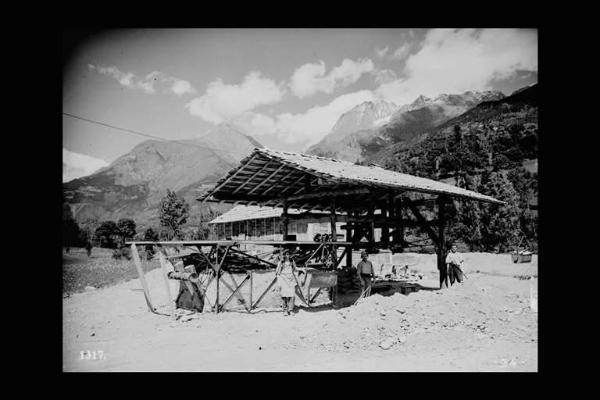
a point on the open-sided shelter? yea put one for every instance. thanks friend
(370, 196)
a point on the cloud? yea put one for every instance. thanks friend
(384, 76)
(454, 61)
(402, 51)
(167, 83)
(308, 127)
(382, 52)
(221, 102)
(76, 165)
(310, 79)
(181, 87)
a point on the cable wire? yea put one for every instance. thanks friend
(157, 137)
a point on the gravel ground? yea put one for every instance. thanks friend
(484, 324)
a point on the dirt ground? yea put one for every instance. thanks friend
(484, 324)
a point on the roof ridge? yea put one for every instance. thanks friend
(312, 156)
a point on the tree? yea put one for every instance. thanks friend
(150, 235)
(107, 234)
(174, 212)
(88, 226)
(465, 221)
(126, 228)
(525, 184)
(500, 224)
(71, 233)
(457, 134)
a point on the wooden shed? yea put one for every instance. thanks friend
(264, 223)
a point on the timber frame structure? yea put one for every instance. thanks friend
(369, 197)
(217, 255)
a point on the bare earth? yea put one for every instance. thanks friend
(484, 324)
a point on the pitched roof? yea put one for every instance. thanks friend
(285, 174)
(242, 213)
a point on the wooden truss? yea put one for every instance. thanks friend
(217, 273)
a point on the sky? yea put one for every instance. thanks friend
(285, 87)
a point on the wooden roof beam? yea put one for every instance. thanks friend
(267, 179)
(280, 180)
(330, 193)
(293, 184)
(249, 179)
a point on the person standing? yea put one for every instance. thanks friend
(454, 261)
(286, 279)
(88, 248)
(365, 272)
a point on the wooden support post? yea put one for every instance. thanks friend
(441, 245)
(163, 266)
(371, 224)
(349, 256)
(140, 271)
(285, 220)
(251, 283)
(400, 228)
(385, 230)
(218, 271)
(333, 221)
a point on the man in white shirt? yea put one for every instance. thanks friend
(454, 261)
(365, 272)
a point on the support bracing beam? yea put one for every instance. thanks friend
(140, 271)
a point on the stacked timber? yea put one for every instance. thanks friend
(234, 262)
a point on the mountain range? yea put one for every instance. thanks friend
(372, 126)
(372, 132)
(133, 184)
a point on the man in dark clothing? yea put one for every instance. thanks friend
(443, 276)
(365, 272)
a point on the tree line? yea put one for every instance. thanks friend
(173, 213)
(486, 157)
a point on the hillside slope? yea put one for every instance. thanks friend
(133, 185)
(501, 133)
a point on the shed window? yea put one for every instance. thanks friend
(301, 227)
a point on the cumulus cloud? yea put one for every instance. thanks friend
(181, 87)
(221, 101)
(310, 78)
(308, 127)
(76, 165)
(382, 52)
(402, 51)
(384, 76)
(167, 84)
(454, 61)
